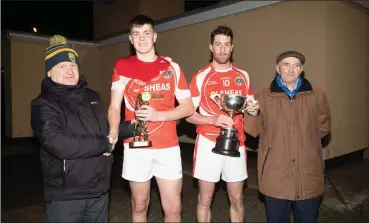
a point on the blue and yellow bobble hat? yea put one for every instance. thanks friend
(59, 51)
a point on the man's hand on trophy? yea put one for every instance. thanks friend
(148, 113)
(252, 107)
(223, 121)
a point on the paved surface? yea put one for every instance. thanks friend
(346, 201)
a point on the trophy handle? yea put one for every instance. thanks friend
(213, 96)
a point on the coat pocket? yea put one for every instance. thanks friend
(264, 162)
(318, 150)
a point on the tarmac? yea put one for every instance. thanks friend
(346, 197)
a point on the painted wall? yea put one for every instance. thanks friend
(27, 72)
(113, 16)
(6, 84)
(109, 55)
(347, 76)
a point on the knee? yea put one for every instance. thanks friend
(172, 208)
(205, 200)
(140, 205)
(236, 199)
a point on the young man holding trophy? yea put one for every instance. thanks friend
(220, 91)
(149, 85)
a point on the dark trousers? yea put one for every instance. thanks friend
(304, 211)
(85, 210)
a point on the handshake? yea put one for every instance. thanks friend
(126, 130)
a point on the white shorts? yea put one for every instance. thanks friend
(210, 166)
(140, 165)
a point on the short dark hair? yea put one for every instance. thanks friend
(140, 20)
(221, 30)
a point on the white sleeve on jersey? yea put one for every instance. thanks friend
(181, 90)
(120, 84)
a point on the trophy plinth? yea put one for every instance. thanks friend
(227, 142)
(140, 135)
(140, 144)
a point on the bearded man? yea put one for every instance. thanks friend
(218, 77)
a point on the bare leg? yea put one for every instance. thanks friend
(170, 195)
(140, 200)
(235, 194)
(205, 197)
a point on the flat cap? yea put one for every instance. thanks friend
(295, 54)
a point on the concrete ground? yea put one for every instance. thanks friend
(346, 193)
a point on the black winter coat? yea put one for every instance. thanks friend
(71, 124)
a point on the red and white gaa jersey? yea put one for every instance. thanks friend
(209, 81)
(169, 84)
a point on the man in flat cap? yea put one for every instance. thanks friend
(291, 117)
(70, 121)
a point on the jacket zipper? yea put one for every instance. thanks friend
(265, 159)
(63, 175)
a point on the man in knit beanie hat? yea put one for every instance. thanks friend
(70, 121)
(61, 61)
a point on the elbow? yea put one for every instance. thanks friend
(52, 146)
(190, 111)
(250, 132)
(54, 152)
(253, 131)
(189, 119)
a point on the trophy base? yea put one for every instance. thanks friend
(140, 144)
(227, 146)
(226, 152)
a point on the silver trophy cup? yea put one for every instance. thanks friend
(227, 142)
